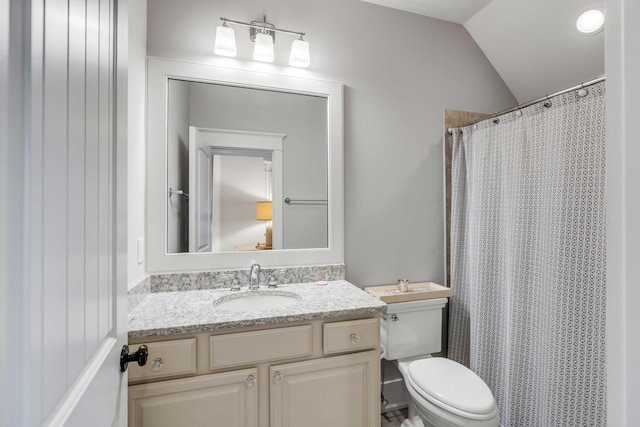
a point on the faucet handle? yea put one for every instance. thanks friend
(235, 284)
(228, 279)
(272, 281)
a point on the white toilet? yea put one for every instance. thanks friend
(443, 393)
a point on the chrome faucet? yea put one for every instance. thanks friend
(254, 277)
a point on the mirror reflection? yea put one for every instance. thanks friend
(246, 169)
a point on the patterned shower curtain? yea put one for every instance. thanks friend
(528, 260)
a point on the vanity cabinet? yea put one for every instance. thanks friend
(337, 391)
(227, 399)
(320, 373)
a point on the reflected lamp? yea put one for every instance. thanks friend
(264, 212)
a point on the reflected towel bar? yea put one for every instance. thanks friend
(178, 192)
(304, 201)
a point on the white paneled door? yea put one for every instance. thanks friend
(65, 249)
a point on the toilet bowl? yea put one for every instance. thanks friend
(443, 393)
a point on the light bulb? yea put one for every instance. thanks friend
(590, 21)
(225, 41)
(263, 49)
(299, 56)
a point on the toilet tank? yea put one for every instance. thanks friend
(413, 328)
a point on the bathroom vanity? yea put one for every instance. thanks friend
(312, 361)
(302, 355)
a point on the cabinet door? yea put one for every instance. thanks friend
(229, 399)
(341, 391)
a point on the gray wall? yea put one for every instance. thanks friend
(177, 163)
(303, 119)
(136, 138)
(400, 71)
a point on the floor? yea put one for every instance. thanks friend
(393, 418)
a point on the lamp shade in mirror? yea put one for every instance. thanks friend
(264, 211)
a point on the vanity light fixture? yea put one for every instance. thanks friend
(590, 21)
(263, 34)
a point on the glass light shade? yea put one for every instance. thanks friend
(590, 21)
(263, 49)
(299, 56)
(225, 41)
(264, 211)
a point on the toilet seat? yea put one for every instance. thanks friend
(451, 386)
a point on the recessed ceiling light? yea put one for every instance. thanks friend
(590, 21)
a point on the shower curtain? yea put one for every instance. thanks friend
(528, 260)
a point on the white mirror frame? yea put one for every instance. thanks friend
(159, 71)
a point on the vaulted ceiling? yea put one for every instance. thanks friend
(533, 44)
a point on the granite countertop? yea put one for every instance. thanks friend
(170, 313)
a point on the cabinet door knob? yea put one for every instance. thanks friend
(251, 380)
(157, 363)
(277, 377)
(354, 338)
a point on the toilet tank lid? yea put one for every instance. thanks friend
(453, 384)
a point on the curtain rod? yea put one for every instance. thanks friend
(527, 104)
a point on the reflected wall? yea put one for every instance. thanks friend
(302, 118)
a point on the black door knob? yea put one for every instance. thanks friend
(139, 356)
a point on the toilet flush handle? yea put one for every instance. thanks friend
(395, 318)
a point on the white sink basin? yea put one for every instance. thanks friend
(256, 301)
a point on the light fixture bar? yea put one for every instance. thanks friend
(261, 27)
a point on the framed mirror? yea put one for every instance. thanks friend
(242, 167)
